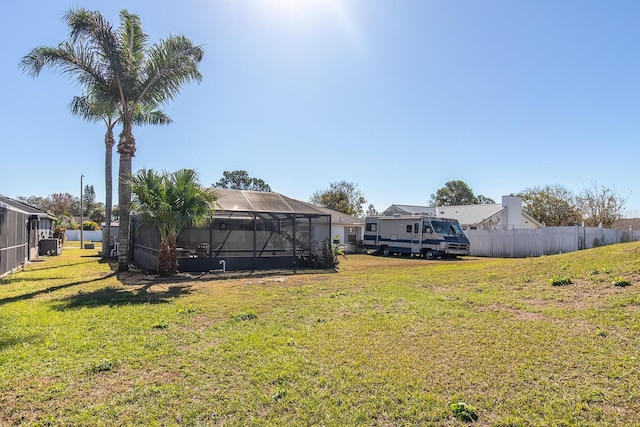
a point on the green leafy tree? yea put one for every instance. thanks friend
(64, 203)
(371, 211)
(483, 200)
(89, 198)
(341, 196)
(600, 206)
(240, 180)
(95, 108)
(39, 202)
(454, 193)
(119, 65)
(170, 201)
(552, 205)
(97, 213)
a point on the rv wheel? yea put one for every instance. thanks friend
(385, 250)
(428, 254)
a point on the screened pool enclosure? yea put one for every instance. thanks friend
(250, 230)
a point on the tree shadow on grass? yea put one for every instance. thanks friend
(33, 270)
(10, 342)
(114, 297)
(51, 289)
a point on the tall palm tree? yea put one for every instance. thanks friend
(170, 201)
(121, 65)
(93, 109)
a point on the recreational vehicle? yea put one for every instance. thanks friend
(426, 236)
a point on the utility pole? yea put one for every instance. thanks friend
(81, 215)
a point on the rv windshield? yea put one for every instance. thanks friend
(446, 227)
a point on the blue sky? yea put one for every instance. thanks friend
(396, 96)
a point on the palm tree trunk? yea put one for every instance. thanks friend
(109, 142)
(126, 149)
(168, 258)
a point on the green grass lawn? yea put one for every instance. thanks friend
(384, 342)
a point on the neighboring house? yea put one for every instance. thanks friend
(505, 216)
(22, 228)
(627, 224)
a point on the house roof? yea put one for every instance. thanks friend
(465, 214)
(626, 223)
(470, 214)
(24, 208)
(260, 201)
(338, 217)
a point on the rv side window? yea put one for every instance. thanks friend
(426, 228)
(371, 227)
(409, 228)
(416, 227)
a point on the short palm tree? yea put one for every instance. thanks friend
(170, 201)
(93, 109)
(120, 65)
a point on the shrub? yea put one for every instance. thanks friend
(324, 255)
(90, 226)
(59, 233)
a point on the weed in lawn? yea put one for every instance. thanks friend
(560, 281)
(463, 411)
(619, 281)
(601, 333)
(162, 324)
(101, 366)
(247, 315)
(279, 394)
(186, 311)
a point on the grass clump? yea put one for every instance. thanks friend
(560, 281)
(247, 315)
(463, 411)
(162, 324)
(101, 366)
(619, 281)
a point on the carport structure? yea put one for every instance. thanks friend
(250, 230)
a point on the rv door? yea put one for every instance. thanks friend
(416, 238)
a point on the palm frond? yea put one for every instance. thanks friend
(91, 27)
(147, 115)
(172, 63)
(76, 61)
(93, 108)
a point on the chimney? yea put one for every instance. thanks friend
(513, 204)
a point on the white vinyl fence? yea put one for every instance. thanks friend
(90, 235)
(520, 243)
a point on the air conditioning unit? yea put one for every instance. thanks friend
(50, 247)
